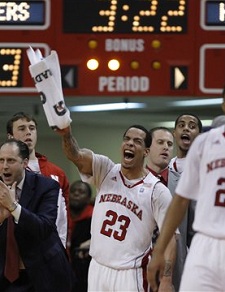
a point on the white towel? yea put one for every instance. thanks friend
(47, 77)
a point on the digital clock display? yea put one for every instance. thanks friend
(125, 16)
(10, 64)
(138, 47)
(12, 59)
(24, 14)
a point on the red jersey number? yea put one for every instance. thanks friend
(109, 228)
(220, 194)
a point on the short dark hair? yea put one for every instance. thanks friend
(88, 188)
(23, 148)
(151, 131)
(148, 137)
(192, 115)
(16, 117)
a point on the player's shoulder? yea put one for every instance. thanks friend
(161, 193)
(151, 178)
(171, 163)
(162, 188)
(209, 135)
(156, 184)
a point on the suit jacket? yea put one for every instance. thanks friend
(40, 247)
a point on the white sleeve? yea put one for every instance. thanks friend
(61, 220)
(101, 165)
(161, 199)
(188, 183)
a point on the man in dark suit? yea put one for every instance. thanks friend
(43, 263)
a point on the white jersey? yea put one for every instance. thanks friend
(177, 164)
(125, 215)
(203, 180)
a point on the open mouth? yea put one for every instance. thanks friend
(6, 176)
(128, 155)
(186, 139)
(164, 155)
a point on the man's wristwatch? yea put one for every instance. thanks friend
(13, 206)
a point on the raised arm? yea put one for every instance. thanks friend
(82, 158)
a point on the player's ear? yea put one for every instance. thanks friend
(25, 162)
(147, 150)
(9, 136)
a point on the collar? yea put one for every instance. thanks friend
(163, 175)
(178, 164)
(40, 156)
(20, 184)
(130, 186)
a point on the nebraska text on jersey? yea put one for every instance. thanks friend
(215, 164)
(123, 201)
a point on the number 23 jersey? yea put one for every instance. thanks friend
(125, 214)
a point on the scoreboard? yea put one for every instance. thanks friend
(117, 47)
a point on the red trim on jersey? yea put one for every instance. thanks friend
(144, 264)
(130, 186)
(175, 166)
(163, 175)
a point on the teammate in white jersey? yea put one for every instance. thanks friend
(130, 202)
(203, 179)
(187, 128)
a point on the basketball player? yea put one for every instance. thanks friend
(187, 128)
(130, 202)
(203, 180)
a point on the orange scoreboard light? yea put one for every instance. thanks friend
(117, 47)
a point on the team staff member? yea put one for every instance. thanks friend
(44, 265)
(160, 154)
(130, 202)
(23, 127)
(203, 180)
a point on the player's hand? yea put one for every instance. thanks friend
(166, 285)
(7, 194)
(155, 271)
(85, 244)
(63, 132)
